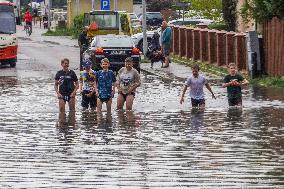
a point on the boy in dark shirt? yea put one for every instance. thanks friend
(233, 82)
(66, 85)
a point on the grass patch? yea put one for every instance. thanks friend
(275, 82)
(59, 32)
(204, 67)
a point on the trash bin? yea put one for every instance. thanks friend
(253, 64)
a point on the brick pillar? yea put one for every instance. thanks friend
(175, 40)
(196, 44)
(212, 44)
(189, 43)
(221, 50)
(204, 45)
(230, 48)
(182, 41)
(240, 51)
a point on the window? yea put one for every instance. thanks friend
(105, 21)
(137, 2)
(109, 41)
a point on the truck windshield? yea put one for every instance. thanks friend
(105, 21)
(7, 23)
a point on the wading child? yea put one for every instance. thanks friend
(234, 81)
(66, 85)
(87, 80)
(105, 86)
(196, 82)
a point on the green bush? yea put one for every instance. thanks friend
(74, 31)
(261, 10)
(124, 24)
(78, 25)
(218, 26)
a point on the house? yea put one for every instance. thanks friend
(77, 7)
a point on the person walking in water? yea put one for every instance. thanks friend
(66, 85)
(196, 82)
(105, 86)
(234, 82)
(128, 80)
(166, 40)
(86, 87)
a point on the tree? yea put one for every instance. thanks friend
(261, 10)
(230, 14)
(211, 9)
(158, 5)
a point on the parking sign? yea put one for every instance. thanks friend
(105, 4)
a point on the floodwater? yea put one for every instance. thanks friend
(161, 144)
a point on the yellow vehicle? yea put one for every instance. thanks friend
(103, 22)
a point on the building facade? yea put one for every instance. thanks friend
(77, 7)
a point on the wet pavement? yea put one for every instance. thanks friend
(161, 144)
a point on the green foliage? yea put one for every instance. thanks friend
(276, 82)
(124, 24)
(59, 32)
(158, 5)
(218, 26)
(261, 10)
(211, 9)
(74, 31)
(78, 25)
(230, 14)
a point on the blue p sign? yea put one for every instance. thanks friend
(105, 5)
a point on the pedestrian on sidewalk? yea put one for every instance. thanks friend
(105, 86)
(166, 40)
(196, 82)
(66, 85)
(128, 79)
(234, 82)
(86, 86)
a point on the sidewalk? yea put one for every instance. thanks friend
(175, 71)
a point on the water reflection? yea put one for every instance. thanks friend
(66, 125)
(197, 118)
(127, 119)
(234, 114)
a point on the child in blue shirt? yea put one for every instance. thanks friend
(105, 86)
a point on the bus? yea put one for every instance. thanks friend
(8, 38)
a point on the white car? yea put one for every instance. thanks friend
(190, 21)
(138, 38)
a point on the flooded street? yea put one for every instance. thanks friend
(161, 144)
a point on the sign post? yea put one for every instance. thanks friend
(105, 4)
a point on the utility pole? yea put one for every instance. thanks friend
(49, 14)
(93, 5)
(115, 5)
(145, 43)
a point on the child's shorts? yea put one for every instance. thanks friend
(197, 102)
(235, 101)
